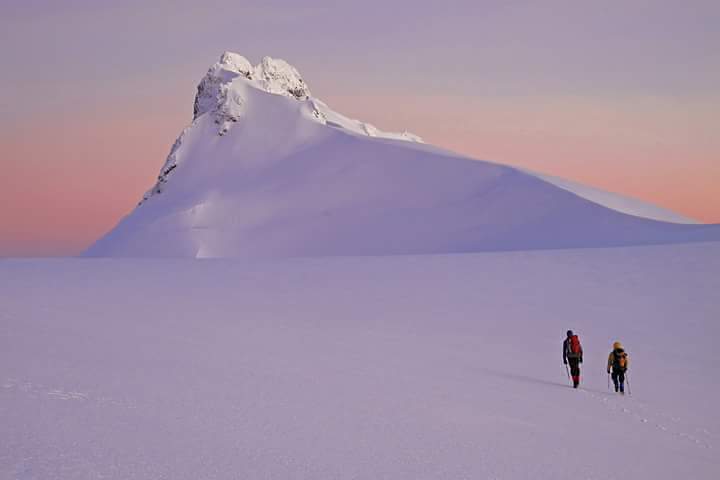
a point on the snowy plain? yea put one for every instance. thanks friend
(398, 367)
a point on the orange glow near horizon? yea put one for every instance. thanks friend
(62, 193)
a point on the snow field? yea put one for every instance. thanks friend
(405, 367)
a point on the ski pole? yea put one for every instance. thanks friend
(608, 382)
(567, 370)
(627, 379)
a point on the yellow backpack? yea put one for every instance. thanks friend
(620, 359)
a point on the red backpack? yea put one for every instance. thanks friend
(575, 350)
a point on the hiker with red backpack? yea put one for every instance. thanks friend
(618, 363)
(573, 355)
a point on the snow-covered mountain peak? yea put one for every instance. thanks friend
(219, 92)
(233, 89)
(267, 170)
(223, 89)
(226, 90)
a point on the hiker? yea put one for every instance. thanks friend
(618, 363)
(573, 354)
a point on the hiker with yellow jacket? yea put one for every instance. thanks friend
(617, 365)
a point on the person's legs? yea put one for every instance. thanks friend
(621, 380)
(575, 371)
(615, 380)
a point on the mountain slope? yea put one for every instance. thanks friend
(267, 170)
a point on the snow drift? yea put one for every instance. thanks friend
(267, 170)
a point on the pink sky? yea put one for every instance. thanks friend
(622, 96)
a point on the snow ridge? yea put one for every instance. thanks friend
(219, 95)
(224, 92)
(167, 169)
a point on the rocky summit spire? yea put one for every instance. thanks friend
(216, 92)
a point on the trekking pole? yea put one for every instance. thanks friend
(627, 379)
(567, 370)
(608, 382)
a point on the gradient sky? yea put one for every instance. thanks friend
(622, 95)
